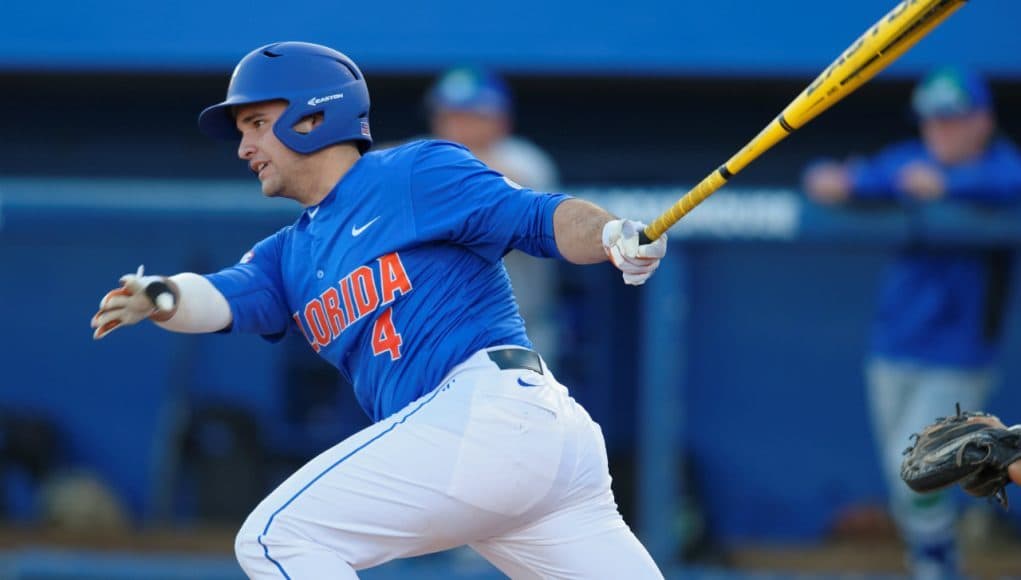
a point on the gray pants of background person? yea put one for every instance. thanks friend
(904, 397)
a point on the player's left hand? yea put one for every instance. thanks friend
(139, 297)
(637, 261)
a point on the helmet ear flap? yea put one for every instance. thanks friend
(341, 119)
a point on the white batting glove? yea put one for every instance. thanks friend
(139, 297)
(637, 262)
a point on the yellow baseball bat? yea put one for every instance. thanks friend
(881, 44)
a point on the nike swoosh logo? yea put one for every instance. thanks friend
(357, 231)
(312, 212)
(527, 384)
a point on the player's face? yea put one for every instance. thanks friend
(475, 131)
(958, 139)
(267, 157)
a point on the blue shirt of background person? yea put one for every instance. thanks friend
(938, 305)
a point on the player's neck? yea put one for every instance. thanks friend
(332, 165)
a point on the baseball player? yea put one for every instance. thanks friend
(393, 274)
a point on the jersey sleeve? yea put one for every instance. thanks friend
(455, 197)
(995, 178)
(876, 177)
(254, 290)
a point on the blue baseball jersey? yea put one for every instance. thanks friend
(397, 275)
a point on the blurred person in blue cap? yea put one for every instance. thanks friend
(938, 322)
(473, 106)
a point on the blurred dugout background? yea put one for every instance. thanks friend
(139, 456)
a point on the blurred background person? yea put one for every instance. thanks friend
(474, 107)
(938, 323)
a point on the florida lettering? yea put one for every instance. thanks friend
(357, 295)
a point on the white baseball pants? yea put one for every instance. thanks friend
(502, 460)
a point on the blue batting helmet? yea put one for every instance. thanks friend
(312, 79)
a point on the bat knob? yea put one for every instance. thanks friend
(161, 296)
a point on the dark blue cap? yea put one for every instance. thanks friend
(470, 89)
(951, 92)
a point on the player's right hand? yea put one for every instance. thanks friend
(622, 245)
(922, 181)
(139, 297)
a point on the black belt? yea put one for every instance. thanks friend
(516, 358)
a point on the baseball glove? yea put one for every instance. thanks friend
(971, 448)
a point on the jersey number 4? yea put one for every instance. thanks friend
(385, 337)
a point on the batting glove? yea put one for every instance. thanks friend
(139, 297)
(637, 261)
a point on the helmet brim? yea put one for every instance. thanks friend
(217, 121)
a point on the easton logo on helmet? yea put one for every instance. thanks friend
(320, 100)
